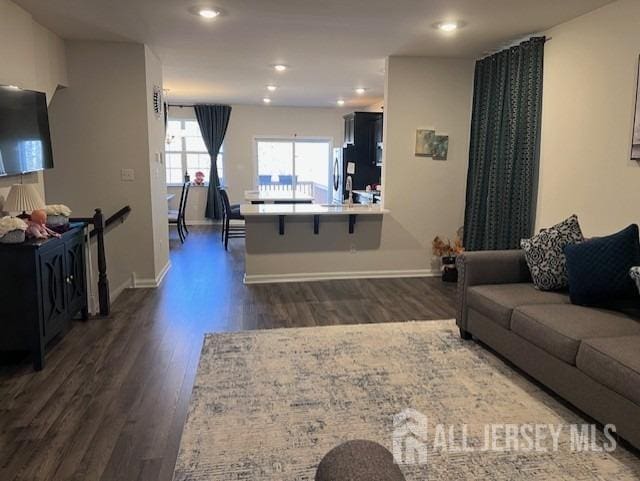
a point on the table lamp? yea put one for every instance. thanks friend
(23, 198)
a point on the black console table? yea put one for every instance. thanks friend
(43, 287)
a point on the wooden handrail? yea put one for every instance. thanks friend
(118, 216)
(100, 226)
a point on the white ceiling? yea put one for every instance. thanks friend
(332, 46)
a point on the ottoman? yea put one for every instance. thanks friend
(358, 460)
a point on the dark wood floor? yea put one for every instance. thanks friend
(113, 398)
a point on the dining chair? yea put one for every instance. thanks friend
(229, 213)
(177, 217)
(184, 207)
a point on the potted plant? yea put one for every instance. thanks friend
(57, 215)
(448, 253)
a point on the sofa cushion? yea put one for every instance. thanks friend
(614, 362)
(497, 301)
(559, 329)
(545, 257)
(599, 268)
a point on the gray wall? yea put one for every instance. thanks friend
(31, 57)
(100, 125)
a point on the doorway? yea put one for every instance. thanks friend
(300, 165)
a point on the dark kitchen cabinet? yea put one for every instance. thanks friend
(379, 139)
(349, 129)
(362, 144)
(362, 130)
(44, 286)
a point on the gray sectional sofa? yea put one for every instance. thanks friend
(590, 357)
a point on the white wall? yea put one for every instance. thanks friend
(247, 122)
(591, 66)
(100, 125)
(31, 57)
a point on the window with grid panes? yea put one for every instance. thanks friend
(186, 152)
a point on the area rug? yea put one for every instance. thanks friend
(268, 405)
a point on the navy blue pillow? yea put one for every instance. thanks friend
(599, 268)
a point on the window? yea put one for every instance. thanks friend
(301, 166)
(186, 152)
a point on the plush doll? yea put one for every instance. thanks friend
(199, 178)
(36, 227)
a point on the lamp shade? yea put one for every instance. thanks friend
(23, 198)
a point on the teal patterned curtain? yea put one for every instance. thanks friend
(502, 180)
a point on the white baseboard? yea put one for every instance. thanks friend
(150, 283)
(331, 276)
(132, 283)
(163, 273)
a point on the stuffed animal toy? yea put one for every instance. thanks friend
(36, 227)
(199, 178)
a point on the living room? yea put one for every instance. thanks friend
(323, 341)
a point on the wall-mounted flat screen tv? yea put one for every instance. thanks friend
(25, 140)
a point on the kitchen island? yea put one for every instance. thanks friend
(277, 197)
(291, 242)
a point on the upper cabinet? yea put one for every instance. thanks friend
(379, 139)
(363, 130)
(349, 129)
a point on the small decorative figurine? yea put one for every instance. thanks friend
(199, 178)
(37, 228)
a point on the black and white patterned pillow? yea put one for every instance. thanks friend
(545, 257)
(635, 275)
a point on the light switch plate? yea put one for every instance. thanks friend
(127, 175)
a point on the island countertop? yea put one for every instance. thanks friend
(253, 210)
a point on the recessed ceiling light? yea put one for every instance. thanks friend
(280, 67)
(360, 90)
(266, 100)
(208, 13)
(340, 102)
(448, 26)
(271, 88)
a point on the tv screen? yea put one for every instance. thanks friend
(25, 141)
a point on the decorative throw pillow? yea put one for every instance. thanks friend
(544, 254)
(599, 268)
(635, 275)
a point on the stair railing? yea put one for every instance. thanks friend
(100, 228)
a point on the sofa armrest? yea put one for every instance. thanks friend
(487, 267)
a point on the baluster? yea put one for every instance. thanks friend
(103, 280)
